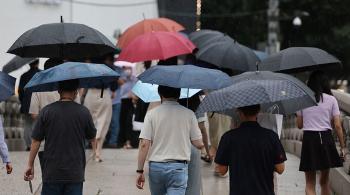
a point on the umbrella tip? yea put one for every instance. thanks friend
(143, 15)
(61, 19)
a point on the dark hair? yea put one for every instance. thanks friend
(52, 62)
(193, 102)
(34, 63)
(169, 61)
(169, 92)
(68, 85)
(250, 110)
(319, 83)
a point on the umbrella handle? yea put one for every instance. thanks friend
(102, 90)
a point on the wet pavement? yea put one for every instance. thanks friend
(116, 176)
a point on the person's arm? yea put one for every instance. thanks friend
(144, 146)
(299, 122)
(195, 133)
(222, 158)
(34, 148)
(339, 131)
(279, 168)
(204, 136)
(143, 152)
(4, 153)
(198, 143)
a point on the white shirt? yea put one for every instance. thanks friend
(170, 127)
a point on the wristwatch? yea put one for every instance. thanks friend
(139, 171)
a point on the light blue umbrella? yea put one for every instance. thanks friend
(7, 86)
(186, 76)
(89, 75)
(149, 92)
(261, 55)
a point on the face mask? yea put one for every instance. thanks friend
(128, 72)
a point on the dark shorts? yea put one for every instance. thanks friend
(318, 151)
(62, 189)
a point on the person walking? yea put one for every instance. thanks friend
(127, 108)
(251, 154)
(100, 107)
(64, 125)
(168, 132)
(318, 151)
(24, 98)
(4, 152)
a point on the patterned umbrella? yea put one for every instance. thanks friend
(265, 88)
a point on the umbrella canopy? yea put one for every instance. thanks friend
(16, 63)
(186, 76)
(265, 88)
(260, 54)
(62, 40)
(156, 46)
(298, 59)
(202, 37)
(149, 92)
(89, 75)
(227, 53)
(7, 86)
(146, 26)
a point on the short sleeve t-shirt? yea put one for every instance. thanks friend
(64, 125)
(318, 118)
(170, 127)
(251, 153)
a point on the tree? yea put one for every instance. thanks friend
(327, 26)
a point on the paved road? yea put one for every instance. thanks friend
(116, 176)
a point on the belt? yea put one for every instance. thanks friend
(172, 161)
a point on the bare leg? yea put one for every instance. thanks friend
(98, 149)
(324, 182)
(310, 183)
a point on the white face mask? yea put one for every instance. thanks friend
(128, 72)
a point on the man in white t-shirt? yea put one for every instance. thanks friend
(167, 135)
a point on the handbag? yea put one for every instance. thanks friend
(271, 121)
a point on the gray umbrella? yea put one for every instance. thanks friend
(62, 40)
(227, 53)
(265, 88)
(202, 37)
(16, 63)
(298, 59)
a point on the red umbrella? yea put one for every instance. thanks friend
(156, 46)
(148, 25)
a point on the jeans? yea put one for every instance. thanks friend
(62, 189)
(194, 173)
(114, 127)
(168, 178)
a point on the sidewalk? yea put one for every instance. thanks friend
(116, 176)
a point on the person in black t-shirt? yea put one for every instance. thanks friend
(64, 125)
(252, 154)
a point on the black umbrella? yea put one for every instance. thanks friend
(16, 63)
(227, 53)
(201, 38)
(299, 59)
(62, 40)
